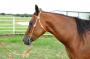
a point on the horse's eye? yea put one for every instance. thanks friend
(30, 23)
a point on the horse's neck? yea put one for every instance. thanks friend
(62, 27)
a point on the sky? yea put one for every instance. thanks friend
(27, 6)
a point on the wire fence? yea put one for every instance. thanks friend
(18, 25)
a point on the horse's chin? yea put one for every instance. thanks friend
(27, 43)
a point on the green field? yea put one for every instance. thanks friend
(46, 47)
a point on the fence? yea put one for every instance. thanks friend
(82, 15)
(18, 25)
(13, 25)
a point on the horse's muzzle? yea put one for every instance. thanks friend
(27, 40)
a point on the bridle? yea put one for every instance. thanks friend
(37, 20)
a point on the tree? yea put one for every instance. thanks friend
(2, 13)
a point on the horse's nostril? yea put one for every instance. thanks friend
(27, 40)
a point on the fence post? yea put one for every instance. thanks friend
(67, 13)
(78, 14)
(13, 25)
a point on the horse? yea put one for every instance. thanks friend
(72, 32)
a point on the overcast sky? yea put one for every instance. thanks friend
(27, 6)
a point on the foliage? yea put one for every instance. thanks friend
(2, 13)
(20, 15)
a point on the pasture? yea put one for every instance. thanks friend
(46, 47)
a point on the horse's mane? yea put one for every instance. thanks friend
(82, 26)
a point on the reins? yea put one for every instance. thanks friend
(10, 53)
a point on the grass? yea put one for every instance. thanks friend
(46, 47)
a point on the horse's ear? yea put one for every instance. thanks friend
(36, 10)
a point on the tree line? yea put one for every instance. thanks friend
(20, 15)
